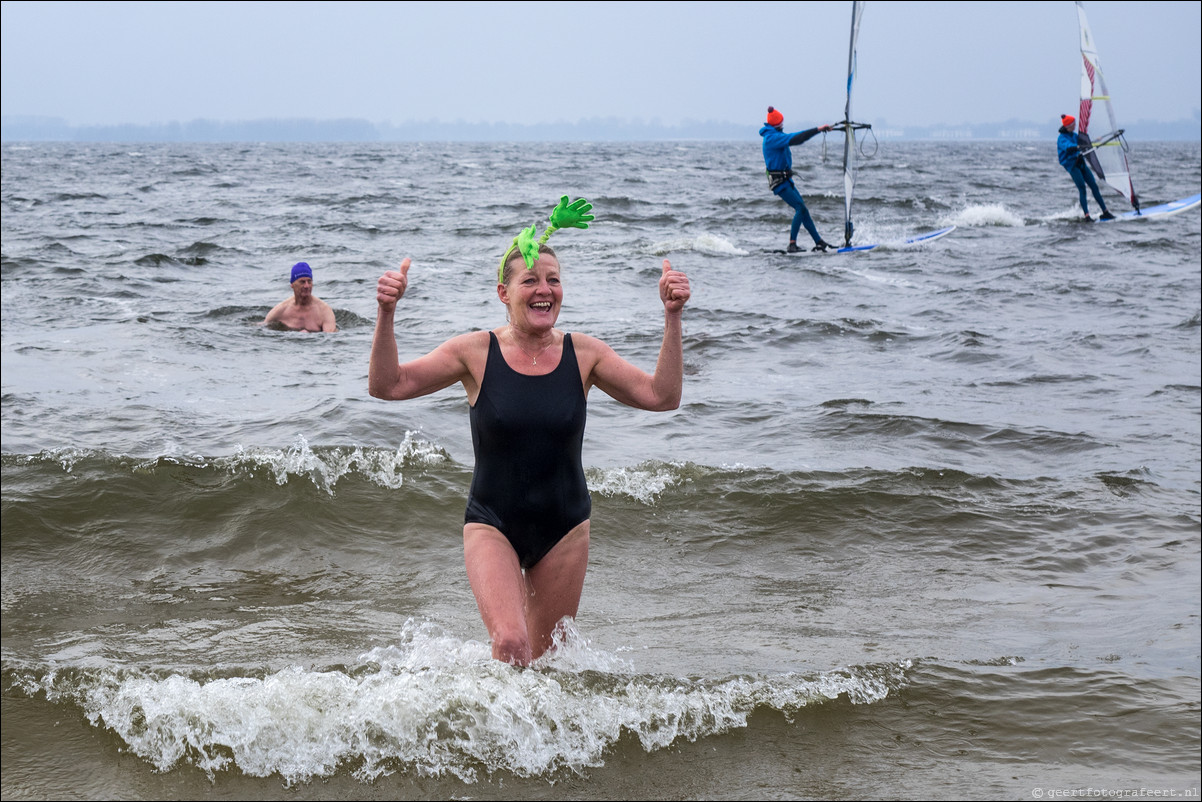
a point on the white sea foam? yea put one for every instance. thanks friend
(981, 216)
(706, 243)
(326, 466)
(435, 706)
(642, 482)
(1071, 212)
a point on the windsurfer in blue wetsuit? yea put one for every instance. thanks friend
(778, 160)
(526, 527)
(1069, 151)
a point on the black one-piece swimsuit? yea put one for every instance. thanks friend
(527, 432)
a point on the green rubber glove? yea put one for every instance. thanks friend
(571, 215)
(528, 246)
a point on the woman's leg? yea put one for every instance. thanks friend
(553, 587)
(496, 579)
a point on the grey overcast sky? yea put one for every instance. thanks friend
(920, 63)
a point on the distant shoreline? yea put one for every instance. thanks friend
(51, 129)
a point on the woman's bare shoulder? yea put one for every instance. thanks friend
(468, 341)
(588, 346)
(588, 342)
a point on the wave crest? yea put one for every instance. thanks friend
(982, 216)
(432, 705)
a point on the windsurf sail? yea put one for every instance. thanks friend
(1099, 136)
(849, 128)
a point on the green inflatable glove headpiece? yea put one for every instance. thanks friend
(564, 215)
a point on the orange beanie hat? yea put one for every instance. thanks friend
(775, 117)
(1067, 119)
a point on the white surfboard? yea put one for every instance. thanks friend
(917, 239)
(1163, 210)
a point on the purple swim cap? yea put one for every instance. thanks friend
(300, 269)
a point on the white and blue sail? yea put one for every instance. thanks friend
(1099, 136)
(851, 151)
(849, 127)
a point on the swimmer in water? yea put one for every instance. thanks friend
(526, 528)
(304, 311)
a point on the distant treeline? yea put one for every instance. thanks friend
(49, 129)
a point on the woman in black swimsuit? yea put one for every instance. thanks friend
(526, 529)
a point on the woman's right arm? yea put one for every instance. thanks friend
(386, 377)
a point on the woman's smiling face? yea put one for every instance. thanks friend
(534, 296)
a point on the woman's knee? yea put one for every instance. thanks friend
(512, 646)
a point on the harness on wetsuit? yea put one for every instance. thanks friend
(777, 177)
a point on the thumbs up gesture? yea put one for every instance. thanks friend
(392, 285)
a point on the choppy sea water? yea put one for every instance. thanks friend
(926, 524)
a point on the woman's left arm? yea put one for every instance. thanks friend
(634, 387)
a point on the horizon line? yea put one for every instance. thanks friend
(42, 128)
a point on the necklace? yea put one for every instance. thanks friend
(533, 359)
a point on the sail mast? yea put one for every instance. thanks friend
(1103, 146)
(849, 128)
